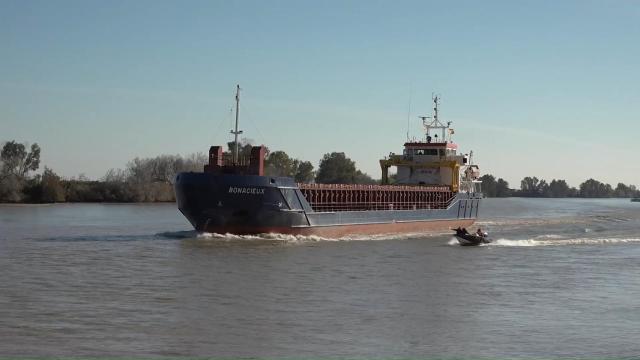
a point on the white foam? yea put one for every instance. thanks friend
(453, 241)
(550, 237)
(397, 236)
(287, 238)
(532, 221)
(507, 242)
(267, 237)
(234, 237)
(562, 242)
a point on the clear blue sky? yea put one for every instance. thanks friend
(545, 88)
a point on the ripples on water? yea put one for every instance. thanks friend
(559, 280)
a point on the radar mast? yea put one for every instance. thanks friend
(433, 123)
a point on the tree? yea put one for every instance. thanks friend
(624, 191)
(16, 163)
(278, 163)
(304, 172)
(488, 185)
(502, 188)
(113, 176)
(195, 162)
(140, 171)
(336, 168)
(543, 188)
(494, 188)
(362, 178)
(244, 147)
(51, 188)
(558, 188)
(595, 189)
(531, 187)
(11, 189)
(151, 179)
(573, 192)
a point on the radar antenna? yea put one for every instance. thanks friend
(434, 123)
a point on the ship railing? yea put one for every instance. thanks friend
(335, 198)
(360, 187)
(471, 186)
(356, 197)
(377, 206)
(410, 155)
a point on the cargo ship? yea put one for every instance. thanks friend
(435, 189)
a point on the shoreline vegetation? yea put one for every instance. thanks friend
(148, 180)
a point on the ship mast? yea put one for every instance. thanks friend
(236, 132)
(434, 123)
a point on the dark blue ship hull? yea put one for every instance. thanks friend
(252, 204)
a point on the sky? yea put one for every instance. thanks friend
(534, 88)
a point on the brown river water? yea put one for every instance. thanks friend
(562, 279)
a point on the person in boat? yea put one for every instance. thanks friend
(482, 234)
(461, 231)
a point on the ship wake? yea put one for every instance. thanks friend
(287, 238)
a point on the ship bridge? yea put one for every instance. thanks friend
(432, 160)
(426, 163)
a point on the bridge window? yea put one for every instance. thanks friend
(427, 152)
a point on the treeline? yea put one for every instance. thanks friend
(334, 168)
(146, 179)
(142, 180)
(151, 179)
(534, 187)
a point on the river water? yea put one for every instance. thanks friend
(562, 279)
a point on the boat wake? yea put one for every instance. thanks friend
(552, 240)
(613, 219)
(561, 242)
